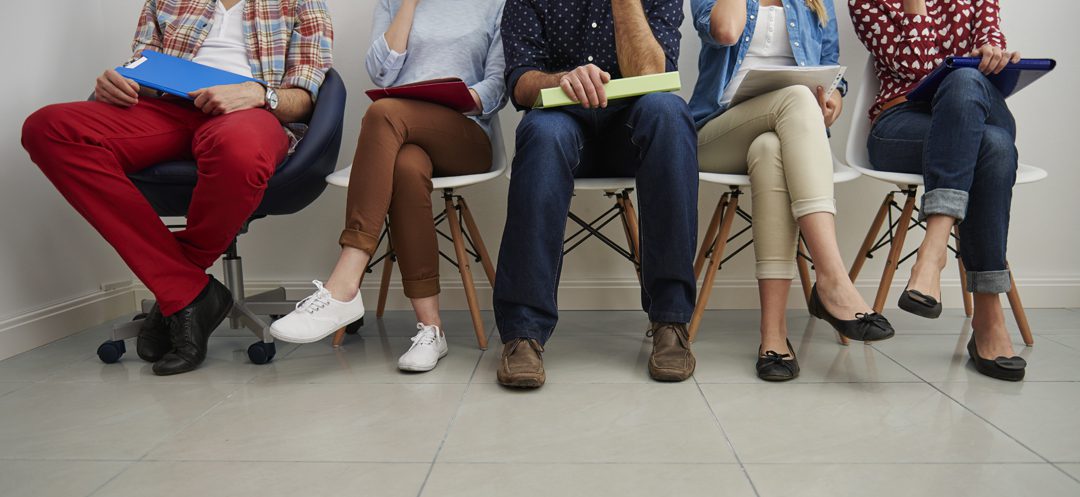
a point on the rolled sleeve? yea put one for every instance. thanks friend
(310, 51)
(491, 89)
(701, 10)
(383, 63)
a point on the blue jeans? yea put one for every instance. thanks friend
(963, 143)
(650, 138)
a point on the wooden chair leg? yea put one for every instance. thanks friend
(895, 250)
(478, 242)
(969, 308)
(384, 285)
(714, 264)
(630, 221)
(466, 271)
(1018, 313)
(871, 237)
(710, 236)
(804, 270)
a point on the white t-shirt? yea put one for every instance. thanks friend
(770, 46)
(225, 47)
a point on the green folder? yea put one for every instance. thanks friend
(615, 89)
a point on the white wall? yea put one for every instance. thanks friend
(48, 255)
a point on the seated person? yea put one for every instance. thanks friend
(402, 144)
(579, 46)
(963, 143)
(780, 140)
(234, 133)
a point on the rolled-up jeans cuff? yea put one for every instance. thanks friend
(944, 201)
(775, 270)
(421, 289)
(800, 208)
(359, 240)
(989, 281)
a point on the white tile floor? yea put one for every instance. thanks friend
(908, 416)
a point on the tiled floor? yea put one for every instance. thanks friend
(908, 416)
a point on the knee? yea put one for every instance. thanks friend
(962, 86)
(764, 151)
(997, 156)
(545, 130)
(383, 111)
(800, 104)
(662, 110)
(45, 125)
(237, 163)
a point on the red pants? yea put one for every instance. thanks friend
(86, 149)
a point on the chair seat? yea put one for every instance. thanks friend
(603, 184)
(841, 174)
(1025, 174)
(341, 178)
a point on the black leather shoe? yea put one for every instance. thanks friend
(919, 304)
(772, 366)
(153, 342)
(1002, 368)
(190, 329)
(866, 327)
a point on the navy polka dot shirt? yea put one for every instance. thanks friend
(559, 35)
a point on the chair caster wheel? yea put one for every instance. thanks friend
(354, 327)
(261, 352)
(111, 351)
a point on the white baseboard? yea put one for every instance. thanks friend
(41, 326)
(38, 327)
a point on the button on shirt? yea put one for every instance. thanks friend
(559, 35)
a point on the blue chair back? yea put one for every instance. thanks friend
(297, 182)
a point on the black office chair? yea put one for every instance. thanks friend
(297, 183)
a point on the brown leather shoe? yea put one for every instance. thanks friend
(671, 358)
(522, 364)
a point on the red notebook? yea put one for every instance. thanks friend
(451, 92)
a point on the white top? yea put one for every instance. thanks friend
(770, 46)
(225, 48)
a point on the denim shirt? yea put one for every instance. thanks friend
(811, 43)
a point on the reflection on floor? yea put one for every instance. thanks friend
(908, 416)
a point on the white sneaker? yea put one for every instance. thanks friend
(428, 346)
(317, 317)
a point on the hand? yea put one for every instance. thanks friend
(112, 88)
(479, 104)
(994, 59)
(585, 84)
(224, 99)
(831, 107)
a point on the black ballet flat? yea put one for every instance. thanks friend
(777, 367)
(919, 304)
(1002, 368)
(866, 327)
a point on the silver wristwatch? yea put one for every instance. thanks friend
(271, 98)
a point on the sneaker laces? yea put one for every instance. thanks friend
(315, 302)
(426, 335)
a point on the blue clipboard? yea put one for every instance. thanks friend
(1012, 79)
(177, 76)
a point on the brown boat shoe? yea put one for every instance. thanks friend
(671, 358)
(522, 364)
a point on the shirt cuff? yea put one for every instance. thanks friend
(389, 60)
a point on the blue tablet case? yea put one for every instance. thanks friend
(176, 76)
(1011, 80)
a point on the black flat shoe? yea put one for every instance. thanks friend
(919, 304)
(190, 329)
(777, 367)
(1002, 368)
(153, 342)
(866, 327)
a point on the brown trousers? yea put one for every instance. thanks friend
(402, 144)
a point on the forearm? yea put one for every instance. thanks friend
(638, 51)
(727, 21)
(397, 35)
(529, 85)
(915, 7)
(294, 105)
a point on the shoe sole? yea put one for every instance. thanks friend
(528, 383)
(917, 309)
(289, 339)
(669, 377)
(421, 368)
(777, 379)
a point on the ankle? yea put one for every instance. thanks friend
(342, 291)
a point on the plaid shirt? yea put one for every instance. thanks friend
(289, 41)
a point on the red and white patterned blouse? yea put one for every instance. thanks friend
(906, 47)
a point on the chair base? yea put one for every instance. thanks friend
(894, 237)
(246, 312)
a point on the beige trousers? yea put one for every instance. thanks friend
(780, 139)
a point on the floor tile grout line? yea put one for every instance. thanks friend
(1057, 466)
(113, 477)
(731, 445)
(970, 410)
(450, 424)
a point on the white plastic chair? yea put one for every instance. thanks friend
(908, 185)
(719, 235)
(456, 213)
